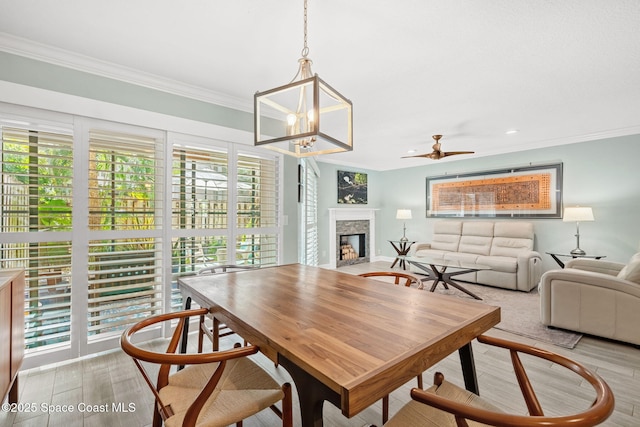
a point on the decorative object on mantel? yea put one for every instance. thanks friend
(352, 188)
(306, 117)
(437, 152)
(533, 191)
(403, 214)
(578, 214)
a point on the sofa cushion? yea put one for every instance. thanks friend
(631, 271)
(446, 235)
(476, 237)
(510, 246)
(499, 263)
(461, 256)
(522, 230)
(511, 238)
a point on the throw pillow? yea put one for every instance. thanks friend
(631, 271)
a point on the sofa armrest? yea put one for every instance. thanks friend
(595, 265)
(529, 270)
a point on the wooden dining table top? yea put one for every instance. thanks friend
(360, 337)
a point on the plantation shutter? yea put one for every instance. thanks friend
(199, 202)
(125, 229)
(35, 223)
(257, 210)
(310, 200)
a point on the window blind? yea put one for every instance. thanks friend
(124, 283)
(36, 218)
(199, 188)
(123, 192)
(125, 228)
(37, 173)
(257, 210)
(310, 214)
(257, 191)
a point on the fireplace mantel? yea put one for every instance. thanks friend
(346, 214)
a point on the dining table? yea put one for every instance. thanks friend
(345, 339)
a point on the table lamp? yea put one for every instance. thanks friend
(404, 214)
(577, 214)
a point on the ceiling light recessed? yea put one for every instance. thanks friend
(411, 151)
(511, 132)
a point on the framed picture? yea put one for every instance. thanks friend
(523, 192)
(352, 188)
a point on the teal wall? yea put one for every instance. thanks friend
(29, 72)
(603, 174)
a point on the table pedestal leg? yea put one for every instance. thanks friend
(311, 393)
(468, 368)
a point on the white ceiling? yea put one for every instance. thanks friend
(559, 71)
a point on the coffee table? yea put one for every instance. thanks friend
(441, 275)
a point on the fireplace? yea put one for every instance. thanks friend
(353, 246)
(352, 238)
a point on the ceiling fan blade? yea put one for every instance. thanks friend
(453, 153)
(426, 155)
(437, 153)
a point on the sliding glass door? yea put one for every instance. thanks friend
(104, 217)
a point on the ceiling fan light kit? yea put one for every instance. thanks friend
(437, 152)
(306, 117)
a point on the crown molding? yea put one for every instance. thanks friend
(64, 58)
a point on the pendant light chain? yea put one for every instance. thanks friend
(305, 49)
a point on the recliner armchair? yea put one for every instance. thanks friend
(595, 297)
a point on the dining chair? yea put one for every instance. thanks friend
(445, 404)
(208, 325)
(407, 280)
(214, 389)
(404, 278)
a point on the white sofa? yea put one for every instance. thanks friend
(595, 297)
(505, 246)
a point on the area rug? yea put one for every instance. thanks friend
(520, 313)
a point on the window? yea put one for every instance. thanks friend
(257, 210)
(104, 217)
(210, 224)
(309, 174)
(36, 222)
(199, 204)
(125, 246)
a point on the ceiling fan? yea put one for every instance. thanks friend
(437, 153)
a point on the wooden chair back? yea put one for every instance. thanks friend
(404, 278)
(596, 413)
(217, 330)
(170, 357)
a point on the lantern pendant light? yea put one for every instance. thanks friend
(306, 117)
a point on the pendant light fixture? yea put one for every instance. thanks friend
(306, 117)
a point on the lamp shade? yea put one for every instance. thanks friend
(403, 214)
(577, 214)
